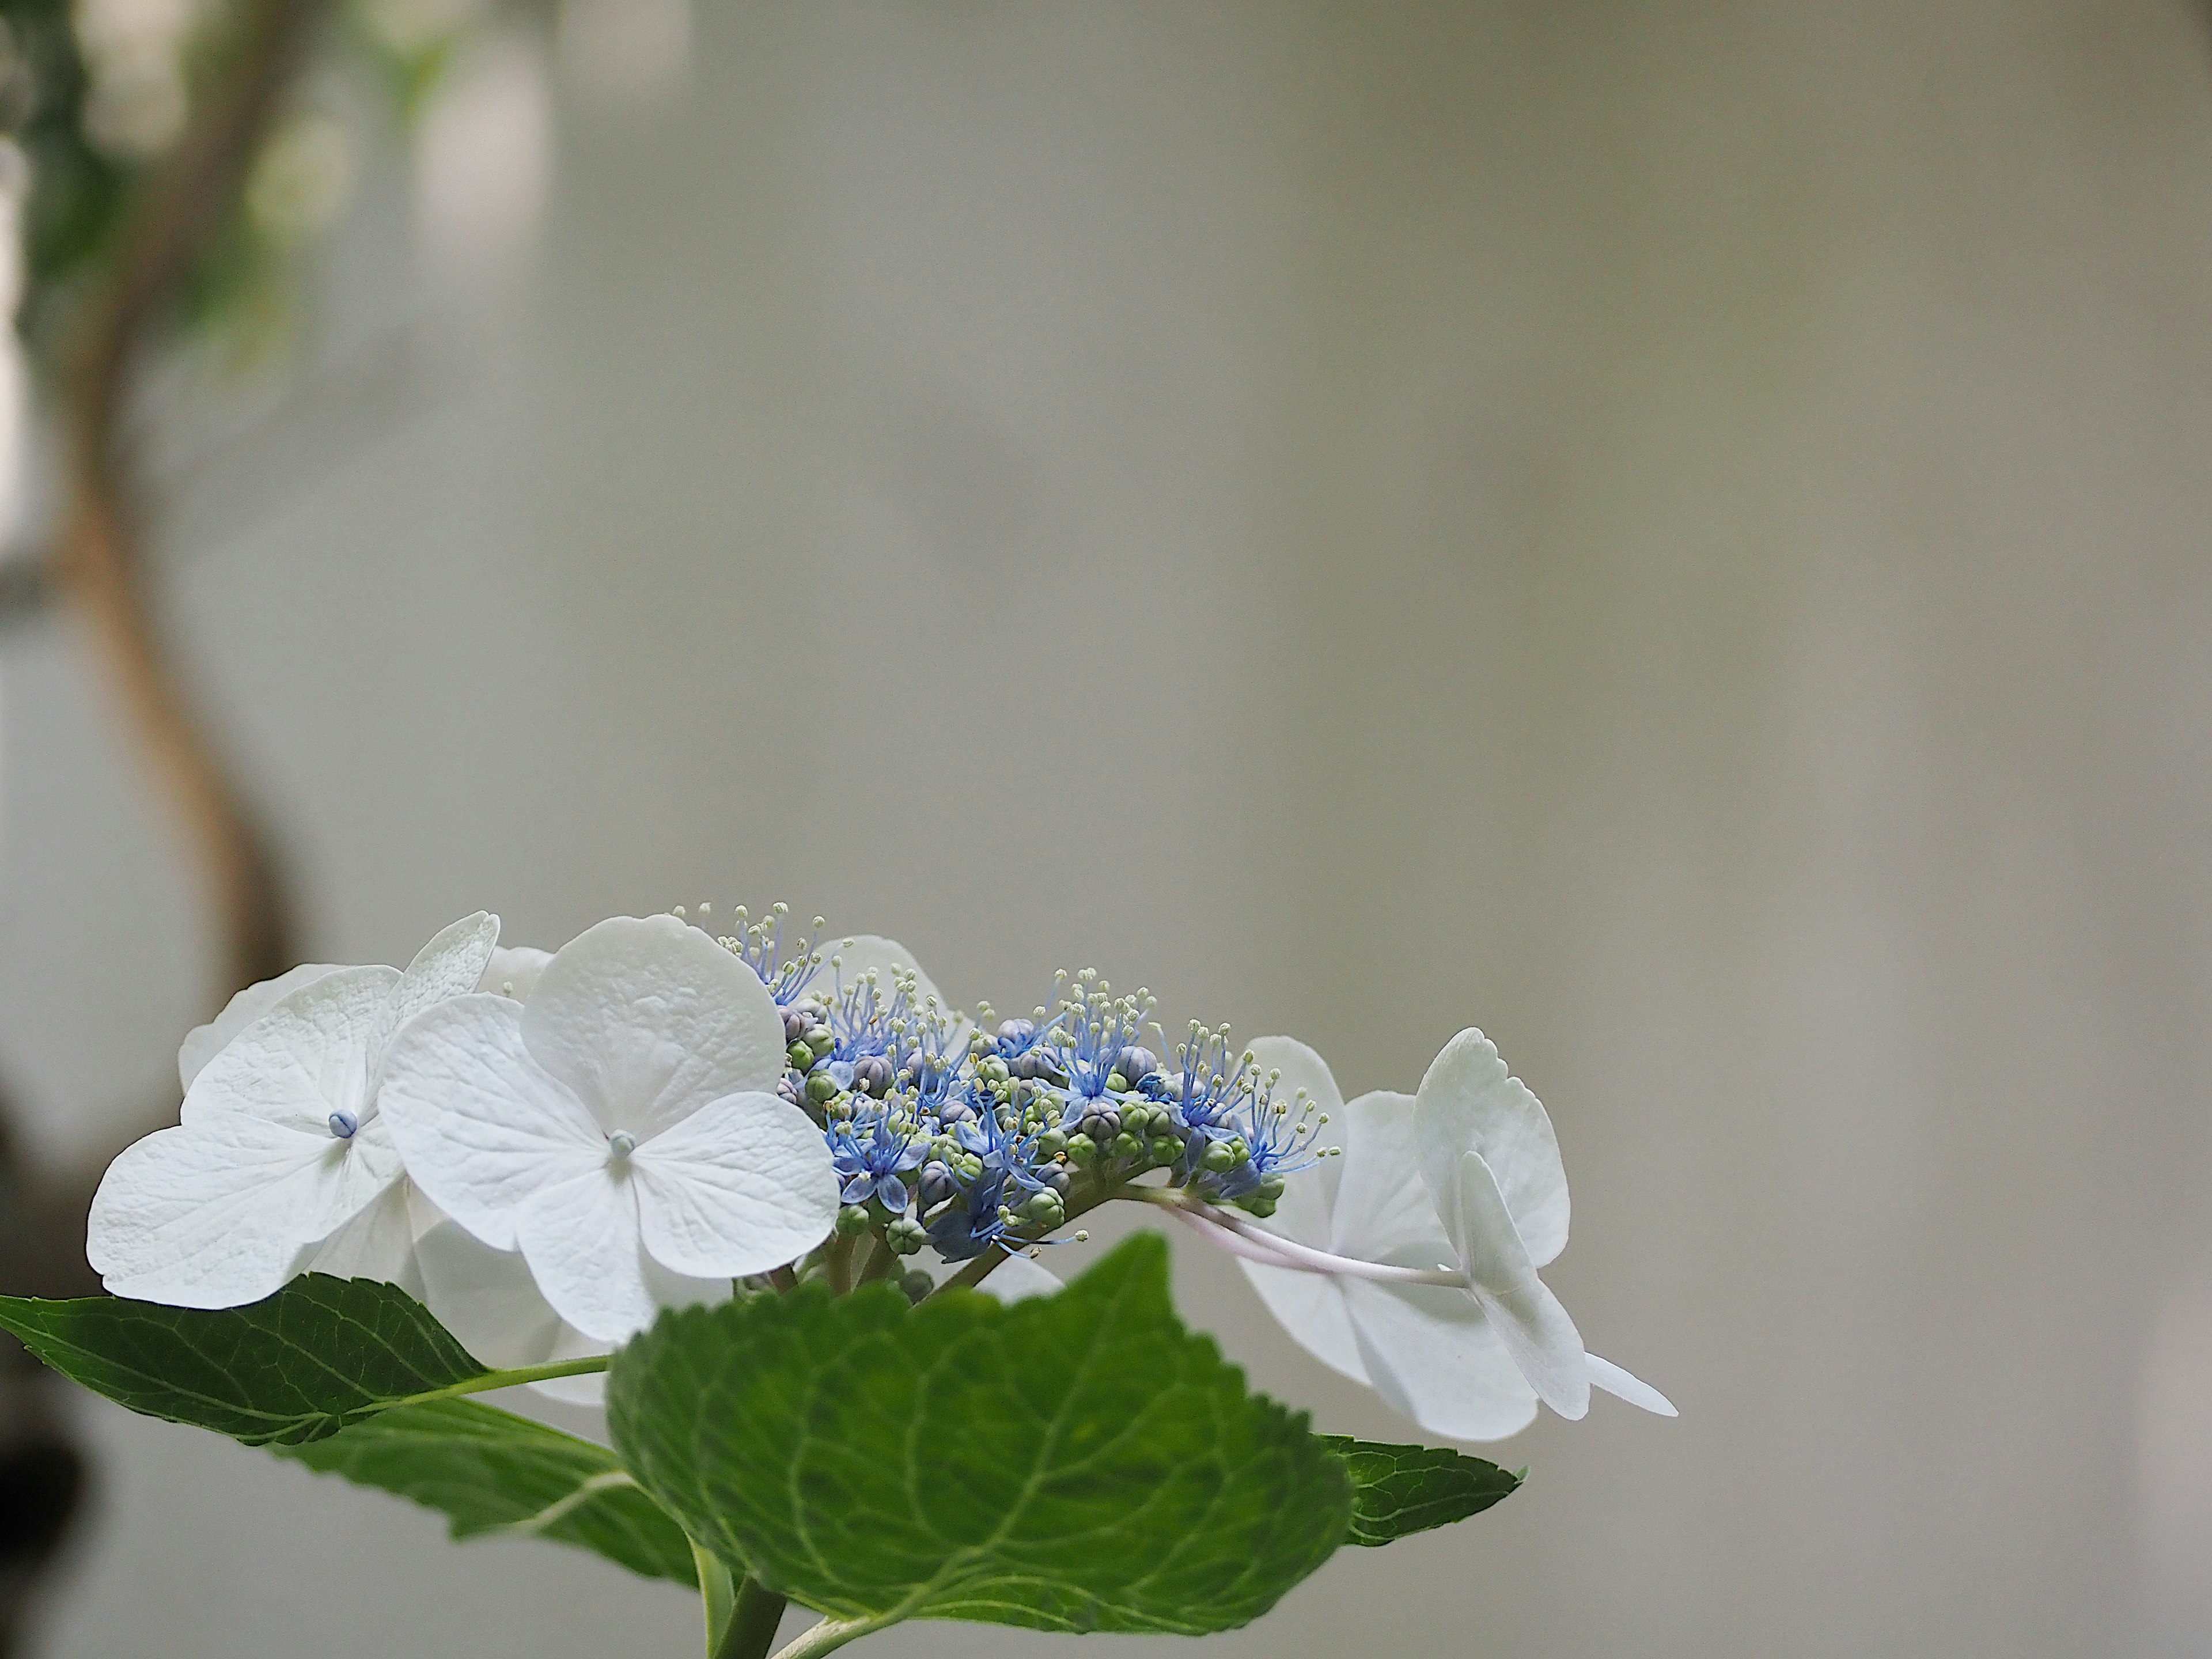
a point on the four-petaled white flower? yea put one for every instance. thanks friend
(620, 1128)
(1454, 1198)
(282, 1162)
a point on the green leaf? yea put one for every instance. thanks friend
(497, 1474)
(1398, 1489)
(1073, 1463)
(321, 1353)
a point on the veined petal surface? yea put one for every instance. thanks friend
(482, 1126)
(204, 1042)
(1435, 1357)
(312, 1054)
(219, 1213)
(1468, 1102)
(1528, 1319)
(450, 963)
(1382, 1204)
(580, 1237)
(742, 1185)
(1311, 1308)
(646, 1019)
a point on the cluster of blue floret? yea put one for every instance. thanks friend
(970, 1136)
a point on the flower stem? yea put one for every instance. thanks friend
(753, 1619)
(717, 1597)
(1239, 1236)
(840, 1259)
(509, 1379)
(829, 1634)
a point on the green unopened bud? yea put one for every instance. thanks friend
(1052, 1143)
(1272, 1186)
(1128, 1145)
(1165, 1149)
(993, 1070)
(1081, 1149)
(801, 1056)
(851, 1221)
(818, 1038)
(916, 1284)
(1220, 1158)
(905, 1236)
(1261, 1208)
(1044, 1209)
(822, 1088)
(1117, 1083)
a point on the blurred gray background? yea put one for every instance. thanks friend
(1675, 534)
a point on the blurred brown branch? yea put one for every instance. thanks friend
(98, 566)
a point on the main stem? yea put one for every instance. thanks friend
(753, 1620)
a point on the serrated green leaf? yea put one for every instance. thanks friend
(1073, 1463)
(321, 1353)
(494, 1473)
(1397, 1490)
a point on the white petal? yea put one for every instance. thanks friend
(204, 1042)
(648, 1020)
(378, 1243)
(513, 971)
(743, 1185)
(450, 963)
(580, 1238)
(1469, 1103)
(221, 1213)
(1382, 1204)
(1310, 1307)
(481, 1127)
(486, 1298)
(310, 1055)
(1018, 1278)
(1528, 1318)
(1604, 1374)
(1435, 1358)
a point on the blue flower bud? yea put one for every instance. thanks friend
(343, 1123)
(795, 1021)
(1136, 1063)
(1012, 1033)
(938, 1186)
